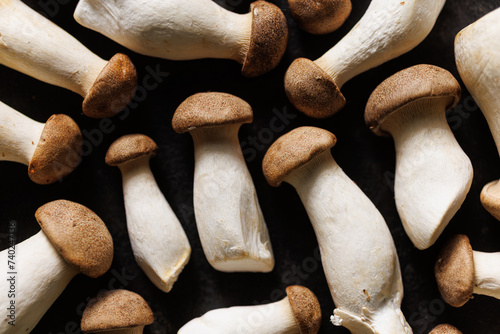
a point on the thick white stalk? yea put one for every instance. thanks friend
(433, 174)
(487, 274)
(171, 29)
(31, 44)
(263, 319)
(388, 29)
(357, 251)
(228, 215)
(42, 275)
(160, 245)
(19, 135)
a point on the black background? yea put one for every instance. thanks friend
(367, 159)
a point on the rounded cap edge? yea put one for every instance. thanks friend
(320, 16)
(490, 198)
(130, 147)
(305, 308)
(445, 329)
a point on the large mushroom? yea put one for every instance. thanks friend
(320, 16)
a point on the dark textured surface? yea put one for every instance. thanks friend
(367, 159)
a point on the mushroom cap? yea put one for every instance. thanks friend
(320, 16)
(311, 90)
(211, 110)
(294, 150)
(58, 151)
(130, 147)
(113, 89)
(116, 309)
(490, 198)
(454, 271)
(78, 234)
(445, 329)
(305, 308)
(268, 39)
(409, 85)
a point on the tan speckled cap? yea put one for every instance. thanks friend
(454, 271)
(445, 329)
(490, 198)
(294, 150)
(130, 147)
(311, 90)
(406, 86)
(268, 40)
(113, 89)
(306, 309)
(58, 151)
(116, 309)
(211, 110)
(320, 16)
(78, 234)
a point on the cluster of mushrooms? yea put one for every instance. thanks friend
(432, 174)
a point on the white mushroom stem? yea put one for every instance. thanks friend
(487, 274)
(41, 276)
(172, 29)
(357, 251)
(263, 319)
(230, 223)
(388, 29)
(433, 174)
(19, 135)
(160, 245)
(31, 44)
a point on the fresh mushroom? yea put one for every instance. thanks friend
(51, 150)
(117, 312)
(445, 329)
(160, 245)
(433, 174)
(477, 52)
(298, 313)
(230, 223)
(184, 30)
(320, 16)
(33, 45)
(461, 272)
(388, 29)
(357, 251)
(73, 240)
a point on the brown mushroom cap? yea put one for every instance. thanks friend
(116, 309)
(130, 147)
(211, 110)
(490, 198)
(294, 150)
(407, 86)
(445, 329)
(320, 16)
(78, 234)
(306, 309)
(454, 271)
(268, 39)
(58, 151)
(311, 90)
(113, 89)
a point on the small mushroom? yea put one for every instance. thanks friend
(51, 150)
(33, 45)
(194, 29)
(445, 329)
(433, 174)
(320, 16)
(117, 312)
(388, 29)
(357, 250)
(477, 50)
(461, 272)
(298, 313)
(230, 223)
(160, 245)
(73, 240)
